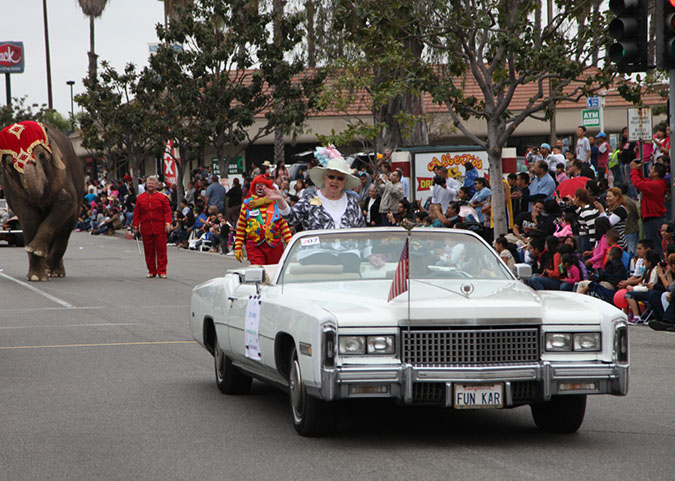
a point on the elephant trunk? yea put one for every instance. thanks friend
(35, 180)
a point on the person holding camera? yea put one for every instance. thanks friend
(653, 202)
(444, 189)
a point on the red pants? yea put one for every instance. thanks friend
(263, 254)
(155, 253)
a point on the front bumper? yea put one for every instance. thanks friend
(401, 381)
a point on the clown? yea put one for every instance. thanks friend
(261, 226)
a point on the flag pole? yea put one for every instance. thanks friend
(409, 226)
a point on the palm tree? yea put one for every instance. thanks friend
(93, 9)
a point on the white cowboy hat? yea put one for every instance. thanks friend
(336, 163)
(267, 163)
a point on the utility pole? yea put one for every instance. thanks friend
(50, 101)
(553, 122)
(72, 105)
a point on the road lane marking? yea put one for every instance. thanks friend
(159, 307)
(22, 309)
(42, 293)
(104, 344)
(102, 324)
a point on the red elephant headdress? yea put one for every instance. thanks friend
(260, 179)
(19, 140)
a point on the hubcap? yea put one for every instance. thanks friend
(297, 394)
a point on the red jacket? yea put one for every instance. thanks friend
(152, 212)
(653, 203)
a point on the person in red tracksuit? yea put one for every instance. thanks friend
(653, 202)
(153, 214)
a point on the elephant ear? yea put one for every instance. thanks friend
(57, 154)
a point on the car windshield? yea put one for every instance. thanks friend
(433, 254)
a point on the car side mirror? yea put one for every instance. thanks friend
(523, 271)
(254, 275)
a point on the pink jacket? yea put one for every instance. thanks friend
(598, 257)
(563, 231)
(573, 275)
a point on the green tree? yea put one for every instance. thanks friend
(115, 123)
(383, 71)
(20, 110)
(498, 45)
(221, 79)
(92, 9)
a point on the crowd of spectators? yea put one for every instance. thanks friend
(587, 240)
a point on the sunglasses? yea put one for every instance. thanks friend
(333, 177)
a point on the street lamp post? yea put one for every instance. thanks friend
(72, 110)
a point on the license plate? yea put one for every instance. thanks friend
(478, 396)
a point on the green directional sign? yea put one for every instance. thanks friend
(590, 118)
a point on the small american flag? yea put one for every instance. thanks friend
(400, 283)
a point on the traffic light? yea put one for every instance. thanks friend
(629, 30)
(665, 34)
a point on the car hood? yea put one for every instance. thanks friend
(442, 302)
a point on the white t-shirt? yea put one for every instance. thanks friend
(583, 149)
(553, 160)
(335, 208)
(442, 196)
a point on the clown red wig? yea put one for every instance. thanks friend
(260, 179)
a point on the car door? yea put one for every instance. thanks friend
(239, 304)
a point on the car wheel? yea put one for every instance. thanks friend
(311, 416)
(229, 379)
(18, 240)
(562, 414)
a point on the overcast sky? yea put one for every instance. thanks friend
(122, 36)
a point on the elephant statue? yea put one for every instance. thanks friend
(44, 185)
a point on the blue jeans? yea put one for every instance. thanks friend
(651, 227)
(631, 243)
(541, 283)
(567, 286)
(654, 300)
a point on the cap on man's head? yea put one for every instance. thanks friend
(545, 146)
(602, 134)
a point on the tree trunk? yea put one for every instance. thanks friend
(278, 145)
(419, 133)
(180, 168)
(92, 52)
(497, 188)
(311, 33)
(278, 7)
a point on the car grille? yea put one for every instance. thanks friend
(470, 346)
(435, 392)
(525, 391)
(428, 393)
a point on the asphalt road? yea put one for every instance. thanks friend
(99, 379)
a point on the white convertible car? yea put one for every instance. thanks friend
(467, 334)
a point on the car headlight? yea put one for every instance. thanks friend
(352, 345)
(381, 345)
(558, 341)
(577, 342)
(587, 341)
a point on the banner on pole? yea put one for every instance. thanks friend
(170, 171)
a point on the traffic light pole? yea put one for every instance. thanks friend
(672, 148)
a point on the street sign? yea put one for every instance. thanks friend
(11, 57)
(639, 124)
(590, 118)
(593, 102)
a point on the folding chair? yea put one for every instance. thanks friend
(600, 292)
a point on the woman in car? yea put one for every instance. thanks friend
(334, 205)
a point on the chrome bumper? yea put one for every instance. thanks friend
(397, 381)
